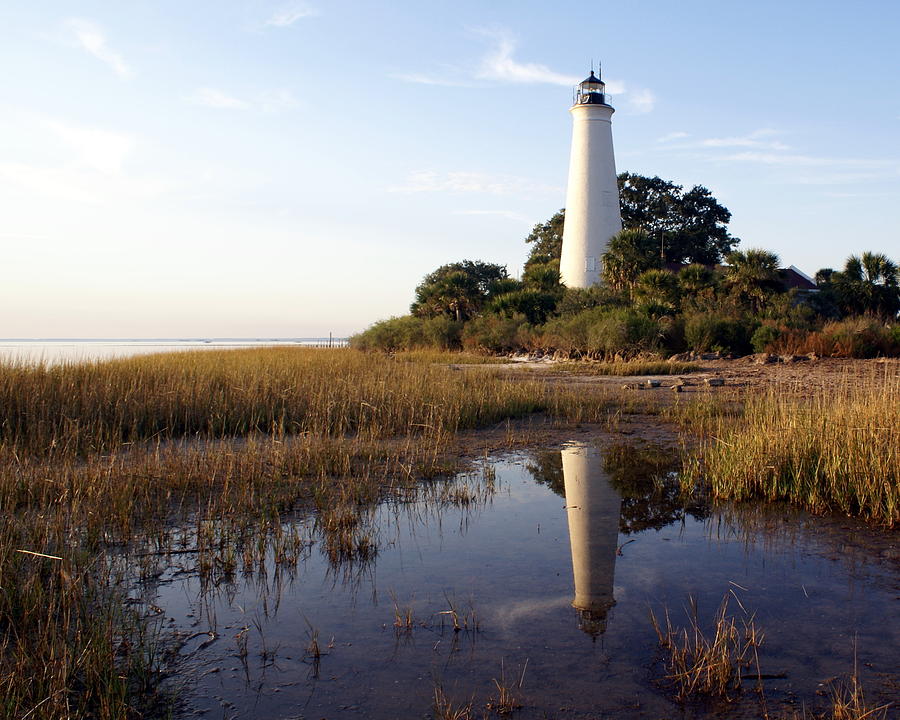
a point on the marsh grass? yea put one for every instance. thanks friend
(709, 663)
(829, 450)
(630, 368)
(109, 469)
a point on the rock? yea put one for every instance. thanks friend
(792, 358)
(764, 359)
(715, 381)
(653, 383)
(812, 356)
(711, 356)
(682, 357)
(677, 388)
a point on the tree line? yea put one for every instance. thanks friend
(672, 281)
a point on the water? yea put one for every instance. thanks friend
(54, 351)
(553, 577)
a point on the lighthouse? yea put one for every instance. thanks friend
(592, 506)
(592, 196)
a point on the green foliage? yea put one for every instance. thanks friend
(458, 290)
(603, 332)
(695, 278)
(658, 291)
(869, 283)
(690, 226)
(409, 332)
(534, 305)
(752, 277)
(708, 331)
(628, 254)
(497, 333)
(575, 300)
(764, 337)
(546, 241)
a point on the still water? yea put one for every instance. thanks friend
(551, 575)
(73, 350)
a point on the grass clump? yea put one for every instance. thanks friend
(629, 368)
(708, 664)
(829, 450)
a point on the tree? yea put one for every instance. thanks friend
(752, 276)
(546, 241)
(695, 278)
(869, 283)
(658, 291)
(629, 253)
(457, 289)
(688, 226)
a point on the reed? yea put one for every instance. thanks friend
(831, 449)
(108, 469)
(630, 368)
(711, 664)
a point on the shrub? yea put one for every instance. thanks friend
(409, 332)
(497, 333)
(764, 337)
(603, 332)
(718, 333)
(857, 337)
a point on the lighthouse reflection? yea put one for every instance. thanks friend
(592, 506)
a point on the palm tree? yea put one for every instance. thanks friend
(869, 283)
(657, 288)
(753, 276)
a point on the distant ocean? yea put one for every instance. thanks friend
(60, 350)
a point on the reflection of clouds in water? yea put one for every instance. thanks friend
(516, 612)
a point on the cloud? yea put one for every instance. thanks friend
(213, 98)
(640, 102)
(756, 139)
(268, 101)
(99, 150)
(507, 214)
(796, 160)
(499, 64)
(90, 37)
(275, 100)
(423, 79)
(287, 15)
(470, 182)
(678, 135)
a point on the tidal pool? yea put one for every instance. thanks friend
(549, 565)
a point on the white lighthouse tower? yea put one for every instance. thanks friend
(592, 197)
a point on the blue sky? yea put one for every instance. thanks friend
(293, 168)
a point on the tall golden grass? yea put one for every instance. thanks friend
(115, 464)
(828, 449)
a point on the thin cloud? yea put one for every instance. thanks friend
(678, 135)
(499, 64)
(470, 182)
(97, 149)
(213, 98)
(507, 214)
(287, 15)
(424, 79)
(91, 38)
(267, 101)
(640, 102)
(756, 139)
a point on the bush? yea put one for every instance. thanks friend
(764, 337)
(857, 337)
(409, 332)
(718, 333)
(603, 332)
(497, 333)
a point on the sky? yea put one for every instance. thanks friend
(290, 169)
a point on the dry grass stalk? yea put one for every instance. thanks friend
(703, 664)
(829, 450)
